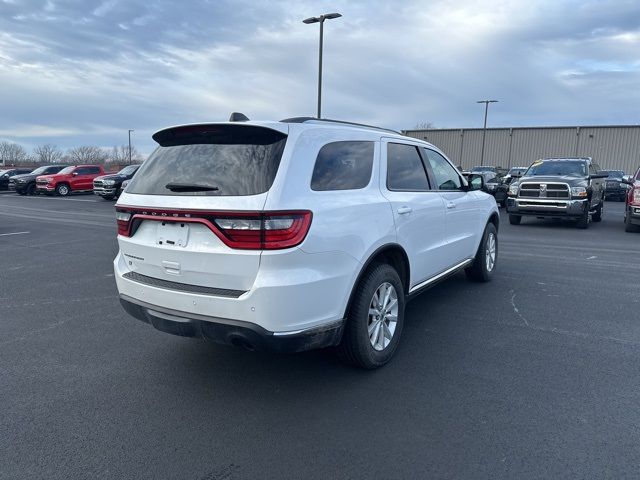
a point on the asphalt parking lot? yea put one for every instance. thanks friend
(534, 375)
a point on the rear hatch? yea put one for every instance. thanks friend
(193, 213)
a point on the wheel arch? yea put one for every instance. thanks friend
(392, 254)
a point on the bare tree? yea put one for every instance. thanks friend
(47, 154)
(86, 154)
(120, 155)
(424, 126)
(12, 153)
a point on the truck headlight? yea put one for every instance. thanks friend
(622, 185)
(578, 192)
(513, 190)
(635, 197)
(109, 183)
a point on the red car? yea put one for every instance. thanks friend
(632, 207)
(76, 178)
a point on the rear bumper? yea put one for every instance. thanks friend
(232, 332)
(546, 207)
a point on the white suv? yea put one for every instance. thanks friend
(296, 234)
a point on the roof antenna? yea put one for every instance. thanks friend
(238, 117)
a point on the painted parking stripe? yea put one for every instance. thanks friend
(14, 233)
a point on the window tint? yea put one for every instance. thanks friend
(234, 159)
(93, 170)
(405, 170)
(446, 176)
(343, 166)
(81, 171)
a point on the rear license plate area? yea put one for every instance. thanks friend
(172, 234)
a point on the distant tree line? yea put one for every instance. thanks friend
(14, 154)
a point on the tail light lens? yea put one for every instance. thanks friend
(239, 230)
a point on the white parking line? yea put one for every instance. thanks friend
(14, 233)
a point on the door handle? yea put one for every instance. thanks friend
(404, 210)
(451, 205)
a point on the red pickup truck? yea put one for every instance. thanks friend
(76, 178)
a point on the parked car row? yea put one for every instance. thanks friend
(63, 180)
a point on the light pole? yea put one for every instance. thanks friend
(130, 145)
(484, 129)
(320, 19)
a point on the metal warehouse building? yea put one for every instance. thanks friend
(615, 147)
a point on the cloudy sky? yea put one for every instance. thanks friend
(82, 72)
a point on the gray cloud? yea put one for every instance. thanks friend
(78, 72)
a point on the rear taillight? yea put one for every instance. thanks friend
(123, 218)
(240, 230)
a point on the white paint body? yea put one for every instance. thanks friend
(309, 285)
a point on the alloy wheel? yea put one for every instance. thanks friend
(383, 316)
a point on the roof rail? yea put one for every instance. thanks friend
(339, 122)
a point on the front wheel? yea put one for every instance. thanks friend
(597, 216)
(108, 197)
(628, 226)
(31, 189)
(63, 190)
(583, 221)
(515, 219)
(484, 263)
(376, 316)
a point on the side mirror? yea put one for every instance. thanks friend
(476, 182)
(75, 174)
(627, 179)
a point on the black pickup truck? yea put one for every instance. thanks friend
(559, 187)
(110, 186)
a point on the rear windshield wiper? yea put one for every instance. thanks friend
(190, 187)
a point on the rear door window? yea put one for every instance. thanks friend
(343, 166)
(212, 160)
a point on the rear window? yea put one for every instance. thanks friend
(215, 160)
(343, 166)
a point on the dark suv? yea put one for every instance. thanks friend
(559, 187)
(615, 187)
(110, 186)
(8, 174)
(26, 184)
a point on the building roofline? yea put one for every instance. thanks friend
(574, 127)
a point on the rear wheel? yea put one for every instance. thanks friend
(515, 219)
(63, 190)
(376, 316)
(486, 257)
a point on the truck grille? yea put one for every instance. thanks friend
(545, 190)
(97, 183)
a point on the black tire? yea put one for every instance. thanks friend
(21, 192)
(515, 219)
(356, 347)
(481, 270)
(583, 221)
(63, 190)
(628, 226)
(623, 198)
(108, 197)
(597, 216)
(31, 189)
